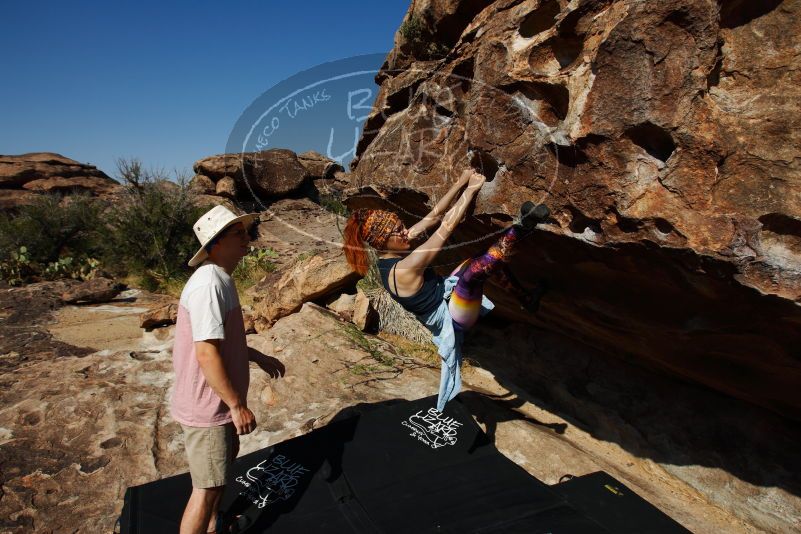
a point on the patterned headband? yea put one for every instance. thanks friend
(377, 226)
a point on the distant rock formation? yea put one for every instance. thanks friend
(663, 136)
(270, 174)
(23, 176)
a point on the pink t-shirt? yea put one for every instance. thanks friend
(208, 309)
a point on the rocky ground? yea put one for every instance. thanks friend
(85, 396)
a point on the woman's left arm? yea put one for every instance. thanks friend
(436, 214)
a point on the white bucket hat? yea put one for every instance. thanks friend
(212, 223)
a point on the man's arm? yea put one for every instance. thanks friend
(211, 364)
(435, 215)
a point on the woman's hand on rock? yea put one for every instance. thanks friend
(476, 180)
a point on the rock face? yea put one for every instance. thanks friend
(662, 141)
(43, 172)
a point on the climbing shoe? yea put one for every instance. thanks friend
(532, 214)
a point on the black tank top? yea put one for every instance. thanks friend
(423, 302)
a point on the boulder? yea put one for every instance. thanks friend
(310, 278)
(275, 173)
(46, 171)
(97, 289)
(61, 184)
(202, 184)
(272, 173)
(215, 167)
(364, 315)
(664, 146)
(226, 187)
(344, 306)
(319, 166)
(162, 315)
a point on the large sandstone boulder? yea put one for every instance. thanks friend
(226, 187)
(161, 315)
(273, 173)
(310, 278)
(662, 136)
(319, 166)
(45, 171)
(97, 289)
(202, 185)
(296, 226)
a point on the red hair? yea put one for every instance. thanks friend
(371, 227)
(355, 249)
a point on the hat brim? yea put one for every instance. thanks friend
(201, 255)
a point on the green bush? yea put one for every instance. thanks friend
(253, 266)
(150, 229)
(412, 30)
(51, 228)
(420, 41)
(145, 235)
(36, 242)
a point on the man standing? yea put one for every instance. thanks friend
(210, 358)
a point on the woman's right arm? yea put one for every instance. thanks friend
(422, 256)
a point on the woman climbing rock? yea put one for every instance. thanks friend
(446, 306)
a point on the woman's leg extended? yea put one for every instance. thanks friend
(465, 302)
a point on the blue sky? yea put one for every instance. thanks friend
(163, 81)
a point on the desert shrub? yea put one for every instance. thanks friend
(52, 237)
(419, 40)
(412, 30)
(150, 229)
(334, 204)
(254, 266)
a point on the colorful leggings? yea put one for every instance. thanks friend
(465, 302)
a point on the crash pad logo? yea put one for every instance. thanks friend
(433, 428)
(271, 480)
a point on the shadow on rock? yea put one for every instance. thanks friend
(270, 365)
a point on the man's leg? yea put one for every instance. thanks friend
(210, 452)
(200, 515)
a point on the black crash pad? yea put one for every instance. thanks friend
(396, 467)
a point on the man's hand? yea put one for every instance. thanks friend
(244, 420)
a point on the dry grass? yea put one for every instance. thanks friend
(394, 319)
(422, 352)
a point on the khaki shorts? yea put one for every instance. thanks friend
(210, 451)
